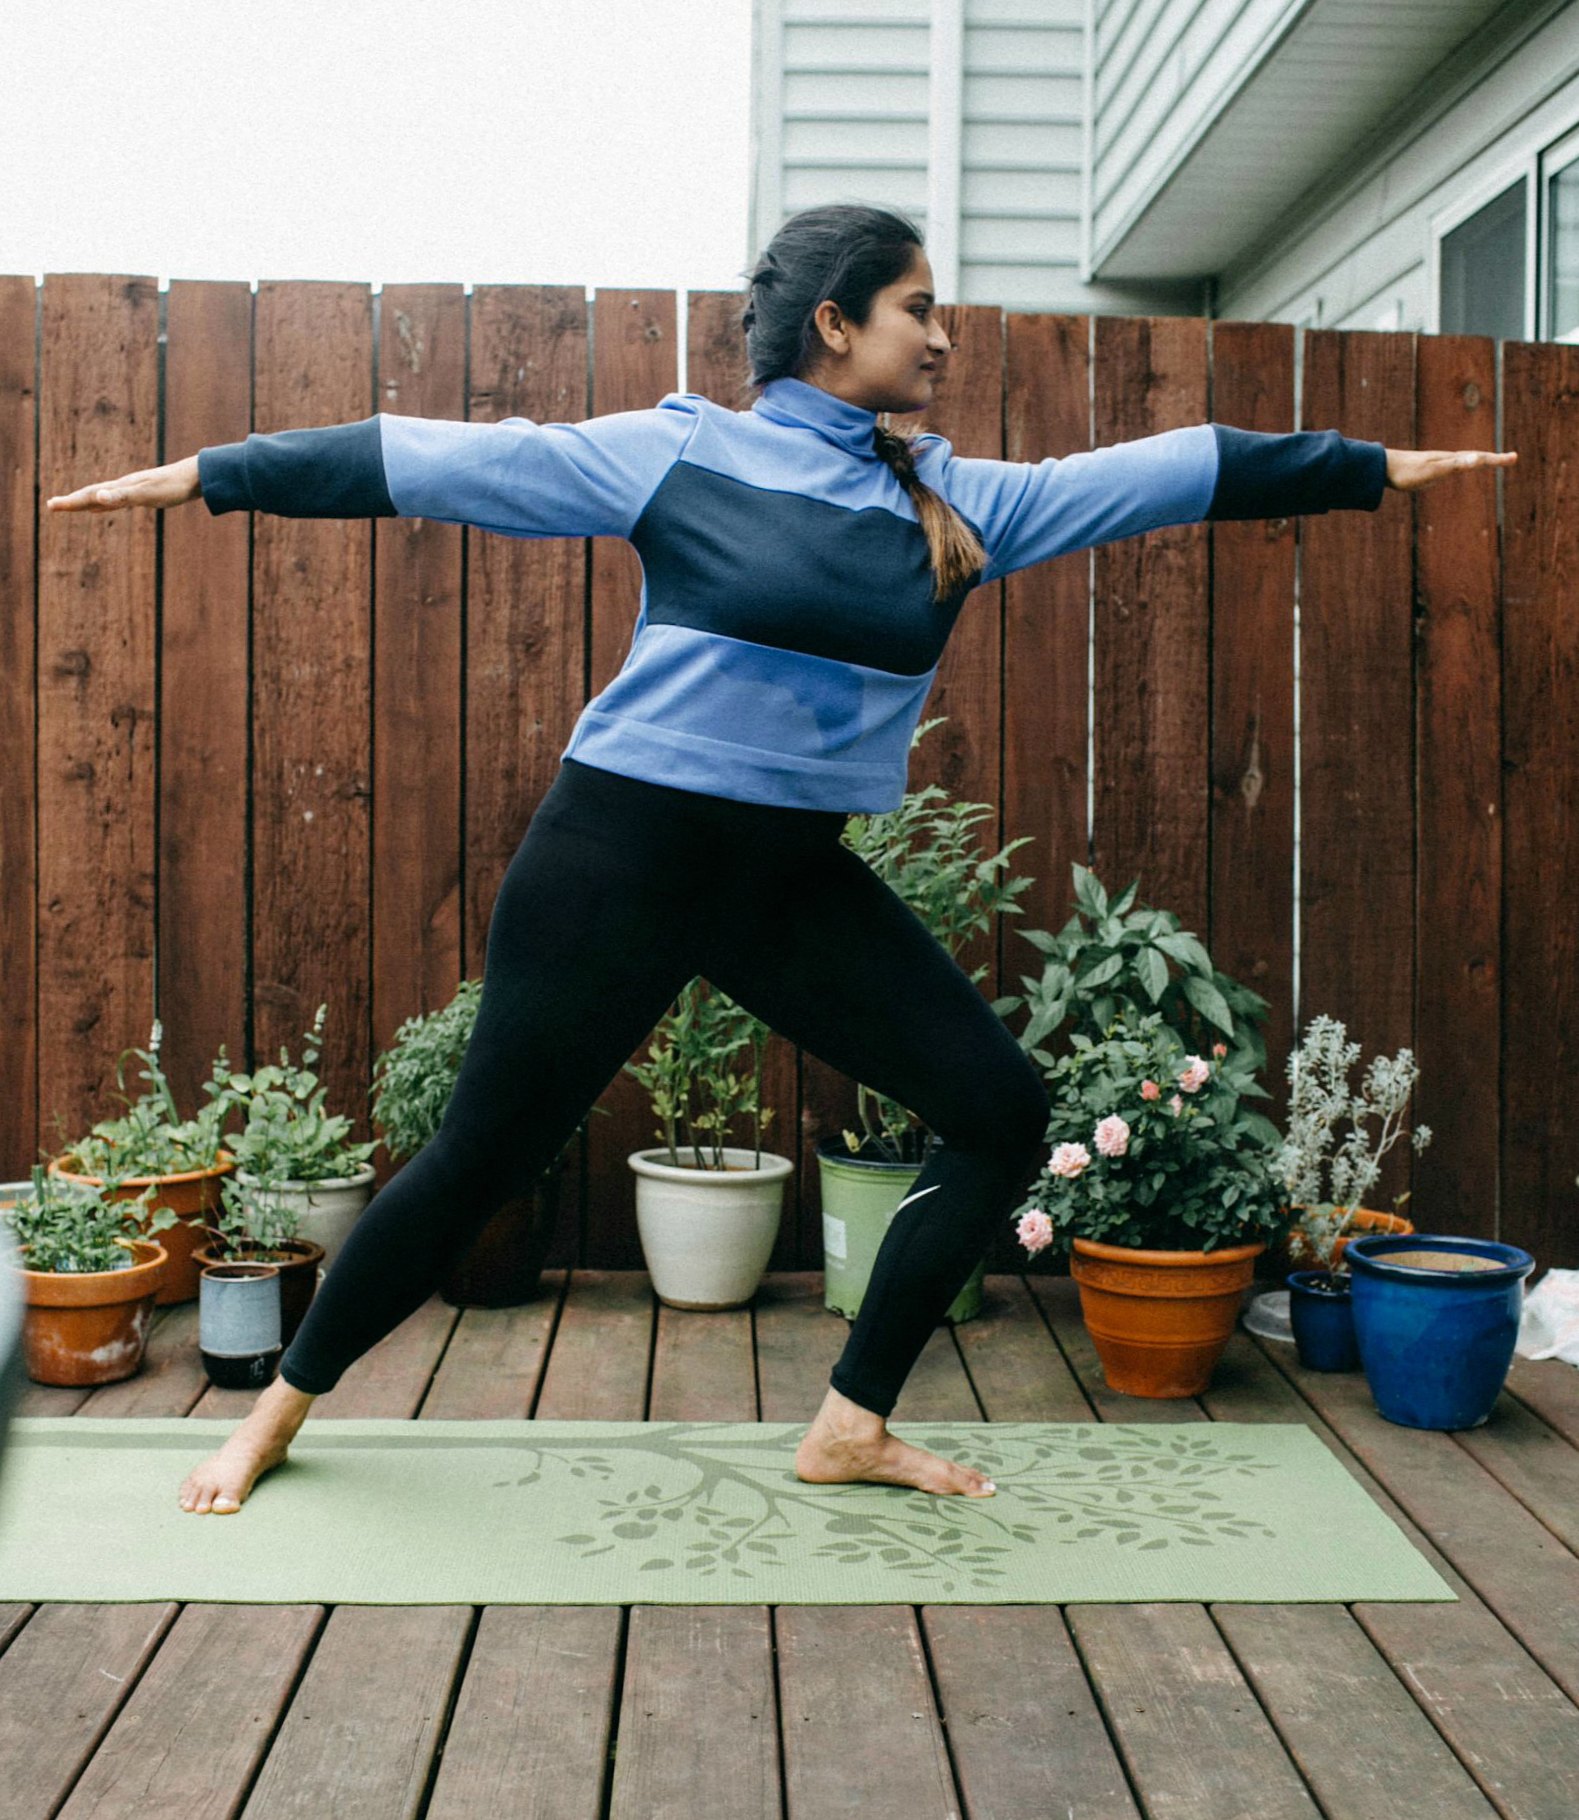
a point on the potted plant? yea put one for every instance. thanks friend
(413, 1080)
(1318, 1072)
(1320, 1306)
(707, 1212)
(152, 1146)
(928, 852)
(1115, 955)
(1437, 1319)
(299, 1184)
(1160, 1186)
(89, 1276)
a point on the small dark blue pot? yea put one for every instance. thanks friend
(1323, 1324)
(1435, 1344)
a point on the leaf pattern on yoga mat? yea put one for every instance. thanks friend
(690, 1498)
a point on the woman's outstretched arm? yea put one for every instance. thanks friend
(1207, 472)
(517, 477)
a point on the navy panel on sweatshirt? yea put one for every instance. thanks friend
(778, 568)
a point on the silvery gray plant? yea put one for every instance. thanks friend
(1318, 1073)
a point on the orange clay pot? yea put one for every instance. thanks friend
(90, 1326)
(1366, 1220)
(191, 1195)
(1160, 1319)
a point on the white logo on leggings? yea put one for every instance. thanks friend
(917, 1195)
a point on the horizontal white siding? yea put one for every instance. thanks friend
(842, 115)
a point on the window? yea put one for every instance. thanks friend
(1561, 314)
(1482, 278)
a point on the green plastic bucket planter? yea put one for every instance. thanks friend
(860, 1195)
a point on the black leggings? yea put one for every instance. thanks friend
(621, 892)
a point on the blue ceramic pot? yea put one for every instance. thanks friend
(1436, 1341)
(1323, 1324)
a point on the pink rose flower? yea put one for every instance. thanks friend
(1219, 1050)
(1069, 1160)
(1149, 1090)
(1177, 1104)
(1112, 1136)
(1035, 1232)
(1196, 1075)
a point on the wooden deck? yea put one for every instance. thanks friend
(1176, 1712)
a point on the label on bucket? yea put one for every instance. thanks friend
(833, 1237)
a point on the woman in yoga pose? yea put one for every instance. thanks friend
(802, 568)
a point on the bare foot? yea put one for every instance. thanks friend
(222, 1482)
(847, 1442)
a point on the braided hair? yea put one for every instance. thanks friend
(847, 253)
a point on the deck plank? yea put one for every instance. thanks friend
(1196, 1741)
(1512, 1727)
(534, 1713)
(1321, 1680)
(64, 1676)
(698, 1714)
(1511, 1559)
(1027, 1733)
(1531, 1460)
(860, 1724)
(1551, 1388)
(364, 1726)
(190, 1736)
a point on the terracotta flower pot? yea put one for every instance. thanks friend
(298, 1275)
(1160, 1319)
(90, 1326)
(192, 1195)
(1301, 1254)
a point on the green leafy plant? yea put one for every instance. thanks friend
(288, 1138)
(414, 1078)
(692, 1054)
(1113, 956)
(928, 852)
(72, 1227)
(1151, 1147)
(1318, 1073)
(151, 1138)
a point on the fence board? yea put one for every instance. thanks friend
(417, 593)
(312, 776)
(98, 399)
(1540, 680)
(1356, 723)
(524, 631)
(18, 736)
(1250, 925)
(1459, 780)
(203, 780)
(1151, 637)
(635, 357)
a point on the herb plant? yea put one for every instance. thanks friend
(71, 1227)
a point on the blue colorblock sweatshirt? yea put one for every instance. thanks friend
(787, 637)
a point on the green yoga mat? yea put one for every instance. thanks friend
(384, 1512)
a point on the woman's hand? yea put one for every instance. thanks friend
(1411, 469)
(172, 485)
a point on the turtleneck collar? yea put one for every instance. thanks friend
(795, 401)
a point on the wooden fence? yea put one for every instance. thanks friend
(251, 766)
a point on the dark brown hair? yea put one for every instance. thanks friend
(847, 252)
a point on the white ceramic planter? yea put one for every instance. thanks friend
(326, 1210)
(707, 1234)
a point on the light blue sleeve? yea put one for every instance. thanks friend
(517, 477)
(1028, 511)
(526, 479)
